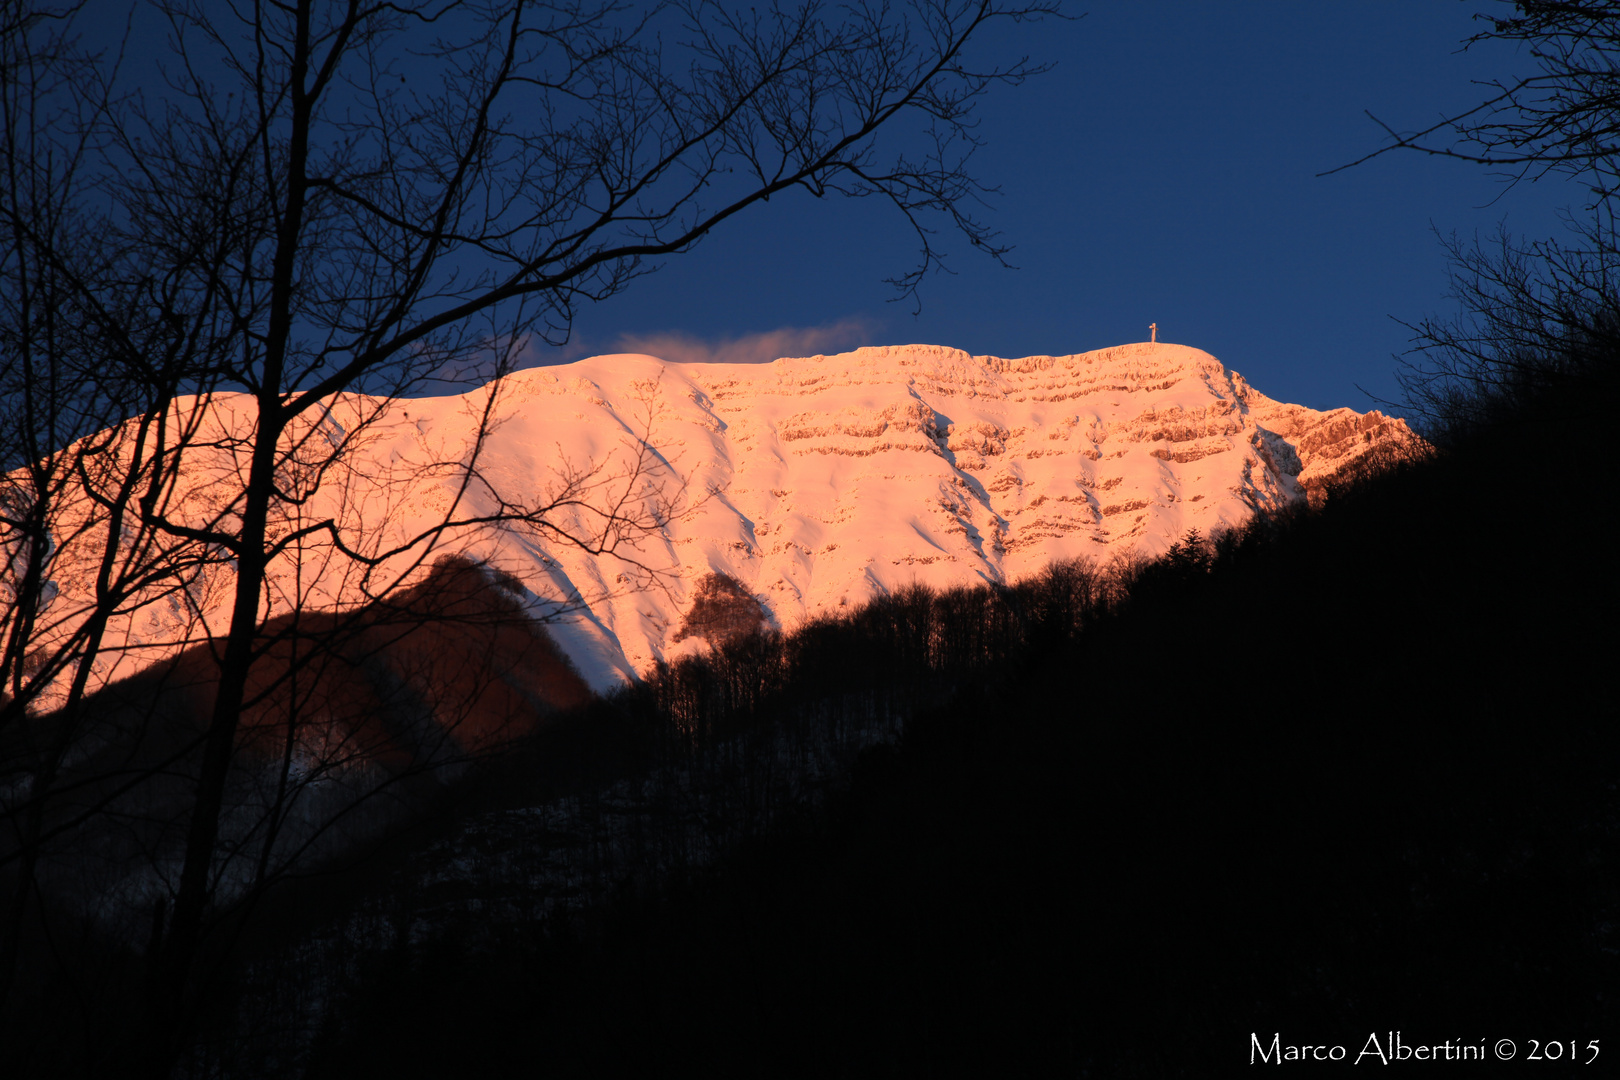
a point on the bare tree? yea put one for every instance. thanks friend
(327, 205)
(1533, 313)
(93, 351)
(1565, 117)
(1534, 316)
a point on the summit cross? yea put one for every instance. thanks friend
(1153, 331)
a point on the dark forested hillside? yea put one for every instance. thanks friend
(1352, 772)
(1349, 771)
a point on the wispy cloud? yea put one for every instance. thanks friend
(679, 348)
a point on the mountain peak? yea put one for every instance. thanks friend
(838, 477)
(815, 483)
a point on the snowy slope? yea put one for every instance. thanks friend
(820, 481)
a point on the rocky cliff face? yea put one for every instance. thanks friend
(833, 478)
(818, 482)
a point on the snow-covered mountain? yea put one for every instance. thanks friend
(835, 478)
(818, 482)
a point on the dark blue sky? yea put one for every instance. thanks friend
(1165, 170)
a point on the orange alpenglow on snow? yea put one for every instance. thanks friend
(824, 480)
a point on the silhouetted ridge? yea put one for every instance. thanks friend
(1344, 770)
(1338, 772)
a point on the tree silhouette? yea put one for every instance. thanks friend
(329, 199)
(1563, 118)
(722, 611)
(1535, 314)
